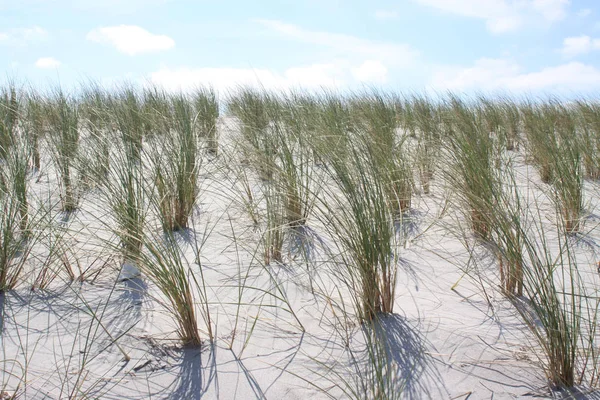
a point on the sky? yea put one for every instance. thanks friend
(502, 46)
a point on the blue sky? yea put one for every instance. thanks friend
(516, 46)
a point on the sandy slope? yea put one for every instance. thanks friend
(449, 344)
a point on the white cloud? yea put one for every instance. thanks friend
(503, 74)
(312, 76)
(577, 45)
(347, 46)
(47, 63)
(315, 75)
(23, 36)
(385, 15)
(131, 39)
(502, 16)
(370, 72)
(551, 10)
(584, 12)
(331, 75)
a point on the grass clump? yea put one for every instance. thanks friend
(164, 263)
(35, 124)
(125, 192)
(64, 141)
(176, 168)
(377, 122)
(206, 106)
(97, 118)
(421, 119)
(9, 118)
(128, 113)
(18, 229)
(254, 110)
(361, 219)
(473, 173)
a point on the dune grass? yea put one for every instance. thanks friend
(165, 265)
(9, 117)
(376, 120)
(206, 106)
(362, 221)
(337, 165)
(64, 143)
(473, 173)
(176, 164)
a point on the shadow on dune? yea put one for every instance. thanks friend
(408, 225)
(193, 378)
(387, 358)
(304, 243)
(405, 351)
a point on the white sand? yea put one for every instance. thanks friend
(449, 344)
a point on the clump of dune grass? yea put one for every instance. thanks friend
(491, 115)
(206, 107)
(558, 309)
(361, 220)
(35, 124)
(9, 118)
(473, 172)
(156, 111)
(422, 119)
(555, 148)
(64, 143)
(164, 263)
(538, 122)
(589, 128)
(96, 117)
(568, 170)
(330, 137)
(275, 216)
(508, 231)
(176, 165)
(254, 110)
(17, 230)
(377, 121)
(125, 192)
(512, 119)
(128, 113)
(487, 190)
(296, 176)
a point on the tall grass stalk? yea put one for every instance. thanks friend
(96, 115)
(155, 109)
(554, 313)
(125, 191)
(129, 116)
(376, 116)
(20, 227)
(64, 141)
(362, 221)
(9, 118)
(176, 168)
(330, 140)
(473, 172)
(568, 169)
(206, 106)
(422, 119)
(296, 175)
(254, 111)
(164, 263)
(35, 124)
(275, 215)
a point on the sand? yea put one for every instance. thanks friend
(451, 335)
